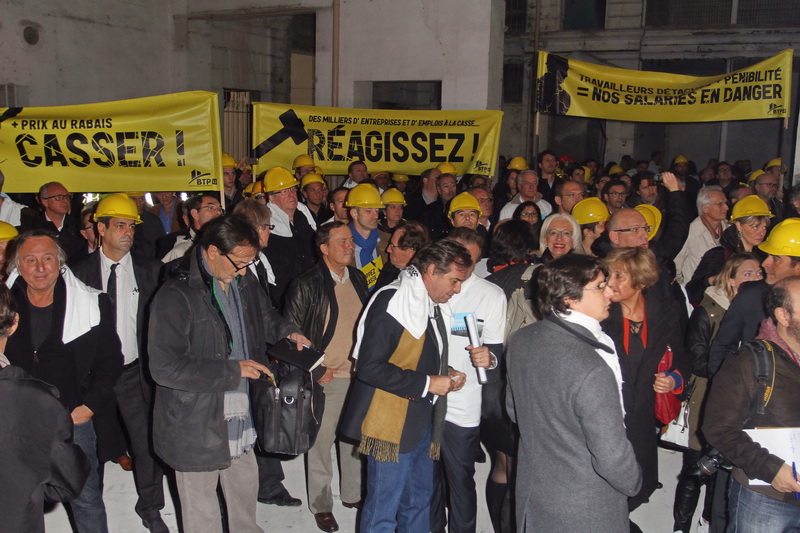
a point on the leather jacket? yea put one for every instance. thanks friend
(309, 297)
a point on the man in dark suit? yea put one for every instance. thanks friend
(130, 281)
(397, 404)
(54, 216)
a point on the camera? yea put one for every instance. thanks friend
(708, 464)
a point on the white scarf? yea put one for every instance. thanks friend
(281, 220)
(597, 332)
(410, 305)
(83, 309)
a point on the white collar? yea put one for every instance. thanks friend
(576, 317)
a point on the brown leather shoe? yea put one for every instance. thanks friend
(125, 462)
(354, 505)
(326, 522)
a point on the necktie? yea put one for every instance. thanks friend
(437, 314)
(111, 289)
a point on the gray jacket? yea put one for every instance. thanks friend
(188, 343)
(575, 466)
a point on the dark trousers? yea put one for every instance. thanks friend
(133, 398)
(687, 493)
(270, 475)
(454, 481)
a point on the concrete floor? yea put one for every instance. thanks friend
(120, 497)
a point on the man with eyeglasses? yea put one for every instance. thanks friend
(766, 188)
(615, 193)
(291, 249)
(198, 209)
(567, 194)
(55, 201)
(201, 363)
(627, 227)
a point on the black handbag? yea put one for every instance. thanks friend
(287, 414)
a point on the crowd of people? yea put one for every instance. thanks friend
(554, 315)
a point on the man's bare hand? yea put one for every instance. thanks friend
(81, 414)
(328, 376)
(300, 339)
(481, 357)
(784, 480)
(440, 385)
(253, 370)
(459, 378)
(670, 181)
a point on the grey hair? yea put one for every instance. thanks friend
(576, 231)
(30, 234)
(526, 171)
(704, 196)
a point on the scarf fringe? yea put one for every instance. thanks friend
(382, 450)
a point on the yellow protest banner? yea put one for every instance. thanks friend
(395, 141)
(159, 143)
(575, 88)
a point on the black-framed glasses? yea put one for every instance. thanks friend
(59, 197)
(238, 268)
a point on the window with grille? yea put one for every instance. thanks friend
(237, 122)
(516, 16)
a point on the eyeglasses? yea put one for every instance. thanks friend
(290, 190)
(58, 197)
(600, 287)
(236, 267)
(767, 185)
(395, 246)
(529, 215)
(566, 233)
(485, 200)
(267, 226)
(634, 230)
(259, 196)
(214, 208)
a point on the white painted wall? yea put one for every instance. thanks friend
(456, 41)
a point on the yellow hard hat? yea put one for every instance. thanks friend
(318, 170)
(399, 177)
(518, 163)
(247, 192)
(446, 168)
(310, 178)
(375, 174)
(750, 206)
(393, 196)
(117, 205)
(616, 169)
(464, 201)
(364, 195)
(258, 187)
(303, 160)
(590, 210)
(784, 239)
(587, 174)
(278, 179)
(652, 216)
(754, 175)
(777, 162)
(680, 159)
(7, 232)
(228, 161)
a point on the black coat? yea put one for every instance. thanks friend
(40, 462)
(637, 390)
(189, 349)
(69, 237)
(740, 323)
(97, 356)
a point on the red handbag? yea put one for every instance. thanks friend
(667, 404)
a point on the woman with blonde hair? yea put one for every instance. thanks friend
(560, 235)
